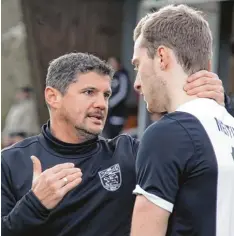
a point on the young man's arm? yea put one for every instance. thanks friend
(163, 155)
(148, 218)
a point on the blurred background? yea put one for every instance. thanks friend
(36, 31)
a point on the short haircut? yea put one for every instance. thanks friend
(182, 29)
(63, 71)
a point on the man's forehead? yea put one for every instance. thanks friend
(93, 79)
(138, 42)
(137, 48)
(92, 76)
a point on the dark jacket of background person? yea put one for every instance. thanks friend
(117, 112)
(120, 91)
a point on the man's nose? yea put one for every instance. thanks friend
(100, 102)
(137, 85)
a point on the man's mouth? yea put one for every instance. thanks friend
(97, 118)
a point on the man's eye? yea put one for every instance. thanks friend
(107, 95)
(89, 92)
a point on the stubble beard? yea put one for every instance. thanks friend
(85, 135)
(158, 96)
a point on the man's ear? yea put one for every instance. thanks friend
(53, 97)
(163, 57)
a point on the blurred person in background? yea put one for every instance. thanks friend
(22, 116)
(13, 138)
(47, 193)
(117, 112)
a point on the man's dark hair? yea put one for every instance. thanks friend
(63, 71)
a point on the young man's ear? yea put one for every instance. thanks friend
(163, 57)
(53, 97)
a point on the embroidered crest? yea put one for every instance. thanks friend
(111, 178)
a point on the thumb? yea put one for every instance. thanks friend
(37, 169)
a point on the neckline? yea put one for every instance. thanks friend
(199, 102)
(58, 147)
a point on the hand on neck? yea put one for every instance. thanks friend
(175, 90)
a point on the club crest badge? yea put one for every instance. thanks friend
(111, 178)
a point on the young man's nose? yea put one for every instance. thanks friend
(137, 86)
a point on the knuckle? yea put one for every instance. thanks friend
(211, 88)
(216, 88)
(64, 171)
(201, 73)
(217, 80)
(213, 94)
(206, 80)
(78, 173)
(215, 76)
(54, 168)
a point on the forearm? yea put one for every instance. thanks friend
(26, 216)
(144, 225)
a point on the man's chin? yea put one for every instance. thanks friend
(94, 130)
(89, 133)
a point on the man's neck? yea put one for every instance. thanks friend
(176, 93)
(65, 132)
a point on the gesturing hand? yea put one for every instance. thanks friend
(53, 184)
